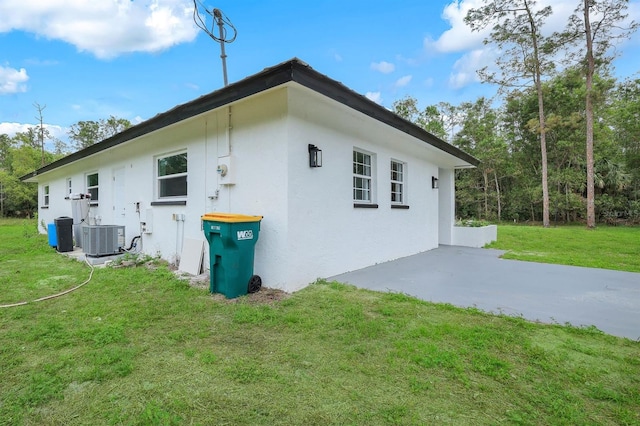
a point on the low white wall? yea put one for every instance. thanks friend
(474, 237)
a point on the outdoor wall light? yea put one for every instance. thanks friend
(434, 182)
(315, 156)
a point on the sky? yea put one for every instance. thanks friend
(92, 59)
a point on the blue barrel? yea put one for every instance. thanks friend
(53, 237)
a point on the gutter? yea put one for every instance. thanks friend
(293, 70)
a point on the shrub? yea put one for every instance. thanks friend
(472, 223)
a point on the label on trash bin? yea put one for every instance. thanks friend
(245, 235)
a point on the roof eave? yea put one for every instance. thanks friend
(292, 70)
(335, 90)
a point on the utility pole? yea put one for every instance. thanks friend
(219, 19)
(218, 15)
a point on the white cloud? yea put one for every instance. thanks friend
(104, 28)
(465, 68)
(375, 97)
(460, 38)
(333, 53)
(403, 81)
(383, 67)
(41, 62)
(461, 79)
(12, 80)
(93, 109)
(409, 61)
(11, 129)
(57, 131)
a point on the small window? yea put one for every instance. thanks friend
(92, 187)
(69, 187)
(172, 176)
(362, 177)
(45, 198)
(398, 171)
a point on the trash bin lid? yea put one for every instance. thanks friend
(230, 217)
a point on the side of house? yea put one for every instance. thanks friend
(159, 184)
(371, 201)
(382, 191)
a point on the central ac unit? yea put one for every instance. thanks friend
(102, 240)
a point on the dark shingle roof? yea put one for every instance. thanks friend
(293, 70)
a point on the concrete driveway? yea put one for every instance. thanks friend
(469, 277)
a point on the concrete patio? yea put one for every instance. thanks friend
(472, 277)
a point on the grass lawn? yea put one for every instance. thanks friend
(604, 247)
(136, 346)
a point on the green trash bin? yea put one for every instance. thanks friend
(232, 239)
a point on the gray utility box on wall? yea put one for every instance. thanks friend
(102, 240)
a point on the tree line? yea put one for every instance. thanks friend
(563, 144)
(35, 147)
(507, 185)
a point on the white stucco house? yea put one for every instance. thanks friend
(384, 190)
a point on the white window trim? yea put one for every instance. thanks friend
(157, 178)
(46, 193)
(93, 201)
(371, 178)
(402, 182)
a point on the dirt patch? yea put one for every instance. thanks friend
(197, 281)
(264, 296)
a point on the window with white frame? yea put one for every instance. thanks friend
(45, 196)
(69, 186)
(398, 173)
(171, 176)
(92, 187)
(362, 177)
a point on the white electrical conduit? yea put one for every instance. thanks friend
(53, 296)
